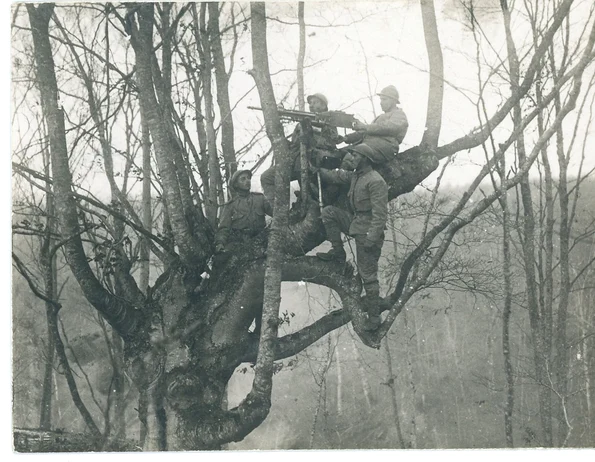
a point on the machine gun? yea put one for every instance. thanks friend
(337, 119)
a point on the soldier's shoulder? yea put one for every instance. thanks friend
(399, 110)
(229, 202)
(375, 176)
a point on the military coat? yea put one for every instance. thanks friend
(244, 213)
(368, 199)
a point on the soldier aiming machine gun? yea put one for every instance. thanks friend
(337, 119)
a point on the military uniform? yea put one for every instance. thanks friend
(242, 217)
(365, 220)
(384, 135)
(324, 138)
(318, 138)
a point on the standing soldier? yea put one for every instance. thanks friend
(324, 138)
(365, 221)
(386, 133)
(243, 216)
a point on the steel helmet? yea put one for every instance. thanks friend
(320, 96)
(364, 150)
(235, 176)
(390, 92)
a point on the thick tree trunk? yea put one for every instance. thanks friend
(50, 280)
(194, 243)
(262, 386)
(222, 82)
(214, 175)
(115, 311)
(436, 88)
(198, 337)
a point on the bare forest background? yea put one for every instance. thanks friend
(129, 120)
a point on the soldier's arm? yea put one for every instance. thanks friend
(337, 176)
(266, 205)
(394, 124)
(354, 137)
(224, 226)
(379, 199)
(332, 134)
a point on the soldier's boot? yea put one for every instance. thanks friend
(337, 253)
(267, 182)
(373, 306)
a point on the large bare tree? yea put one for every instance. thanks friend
(186, 334)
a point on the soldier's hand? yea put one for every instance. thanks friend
(359, 125)
(352, 137)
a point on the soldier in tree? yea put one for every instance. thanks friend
(318, 139)
(243, 215)
(386, 133)
(365, 221)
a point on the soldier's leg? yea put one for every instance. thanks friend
(267, 181)
(383, 150)
(367, 266)
(335, 221)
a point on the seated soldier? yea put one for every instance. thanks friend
(243, 215)
(364, 220)
(324, 138)
(386, 133)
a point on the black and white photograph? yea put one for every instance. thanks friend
(301, 227)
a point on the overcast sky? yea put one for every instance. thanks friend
(354, 49)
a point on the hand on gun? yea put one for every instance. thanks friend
(358, 125)
(314, 169)
(352, 137)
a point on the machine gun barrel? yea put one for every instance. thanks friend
(333, 118)
(289, 114)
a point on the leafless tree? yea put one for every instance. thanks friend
(184, 336)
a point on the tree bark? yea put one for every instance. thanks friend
(202, 40)
(222, 83)
(262, 386)
(436, 87)
(214, 322)
(194, 244)
(50, 279)
(117, 312)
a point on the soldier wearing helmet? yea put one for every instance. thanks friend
(386, 133)
(317, 138)
(243, 215)
(364, 220)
